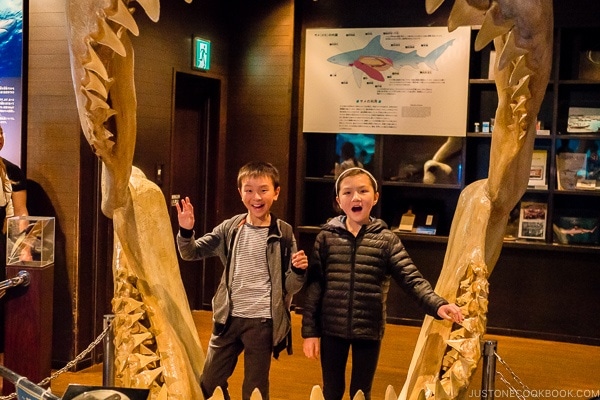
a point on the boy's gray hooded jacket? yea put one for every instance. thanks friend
(221, 242)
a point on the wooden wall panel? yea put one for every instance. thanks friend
(53, 138)
(259, 101)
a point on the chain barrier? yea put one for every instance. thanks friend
(514, 376)
(70, 364)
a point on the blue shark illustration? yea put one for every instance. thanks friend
(374, 58)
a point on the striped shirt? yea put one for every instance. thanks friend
(251, 284)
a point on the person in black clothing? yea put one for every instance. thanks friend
(353, 260)
(14, 185)
(18, 183)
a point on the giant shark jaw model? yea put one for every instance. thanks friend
(373, 59)
(156, 341)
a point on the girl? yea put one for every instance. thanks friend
(353, 259)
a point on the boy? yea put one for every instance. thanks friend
(251, 304)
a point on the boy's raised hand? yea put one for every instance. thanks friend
(300, 260)
(185, 213)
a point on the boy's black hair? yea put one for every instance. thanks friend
(258, 168)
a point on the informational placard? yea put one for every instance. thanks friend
(11, 77)
(411, 81)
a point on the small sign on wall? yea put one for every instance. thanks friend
(200, 53)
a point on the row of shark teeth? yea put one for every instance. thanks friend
(137, 362)
(101, 45)
(463, 352)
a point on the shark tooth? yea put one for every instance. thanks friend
(510, 52)
(441, 393)
(132, 304)
(316, 393)
(522, 89)
(121, 363)
(123, 17)
(520, 70)
(144, 379)
(163, 394)
(424, 394)
(146, 350)
(458, 333)
(432, 5)
(489, 30)
(152, 8)
(131, 319)
(217, 394)
(139, 361)
(95, 101)
(256, 395)
(95, 64)
(390, 393)
(109, 38)
(464, 14)
(360, 395)
(463, 346)
(471, 324)
(96, 85)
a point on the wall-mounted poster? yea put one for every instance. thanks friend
(411, 81)
(11, 77)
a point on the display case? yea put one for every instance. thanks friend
(30, 241)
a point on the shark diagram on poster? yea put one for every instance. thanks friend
(373, 59)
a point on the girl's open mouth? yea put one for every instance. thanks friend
(357, 209)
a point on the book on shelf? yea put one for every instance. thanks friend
(532, 220)
(583, 120)
(569, 168)
(537, 172)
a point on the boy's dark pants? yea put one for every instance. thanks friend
(254, 337)
(334, 356)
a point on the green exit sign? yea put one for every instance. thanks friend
(201, 53)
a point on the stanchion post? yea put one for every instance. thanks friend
(489, 369)
(108, 365)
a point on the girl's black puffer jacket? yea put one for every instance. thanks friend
(349, 278)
